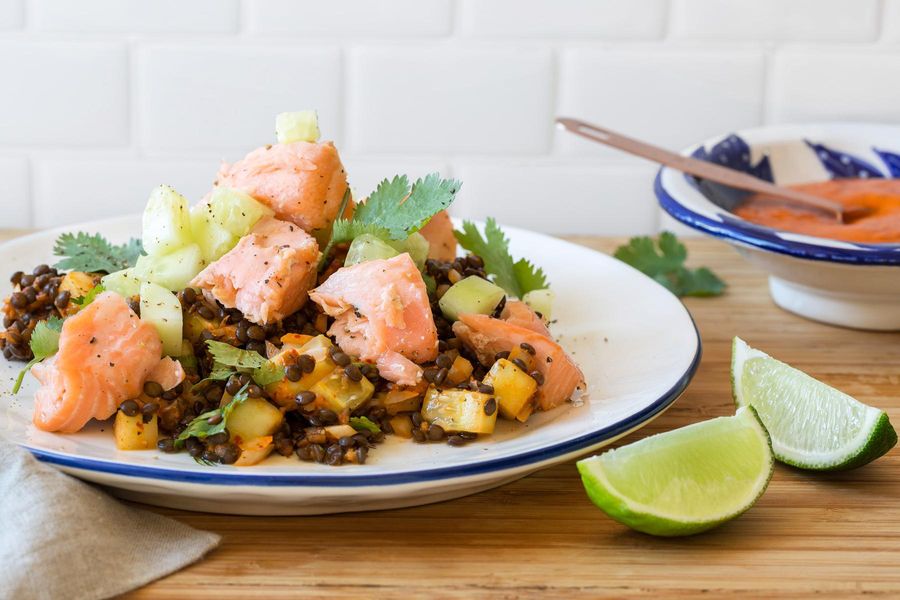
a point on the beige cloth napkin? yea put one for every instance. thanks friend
(61, 538)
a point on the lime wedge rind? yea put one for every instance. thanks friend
(666, 519)
(872, 438)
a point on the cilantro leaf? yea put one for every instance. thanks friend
(402, 211)
(201, 428)
(517, 278)
(394, 211)
(44, 343)
(364, 423)
(94, 254)
(666, 266)
(83, 301)
(262, 370)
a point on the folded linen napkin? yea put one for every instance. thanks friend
(62, 538)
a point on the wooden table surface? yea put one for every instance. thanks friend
(809, 535)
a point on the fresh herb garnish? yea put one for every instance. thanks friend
(364, 423)
(83, 301)
(516, 277)
(262, 370)
(44, 343)
(211, 422)
(394, 211)
(94, 254)
(666, 266)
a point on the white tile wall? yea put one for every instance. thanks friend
(58, 93)
(15, 210)
(10, 14)
(559, 198)
(446, 98)
(75, 189)
(674, 98)
(784, 20)
(608, 19)
(350, 18)
(136, 16)
(804, 85)
(102, 99)
(225, 96)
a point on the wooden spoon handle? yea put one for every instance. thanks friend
(699, 168)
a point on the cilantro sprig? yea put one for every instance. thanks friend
(228, 359)
(395, 210)
(44, 344)
(664, 262)
(94, 254)
(516, 277)
(211, 422)
(83, 301)
(364, 423)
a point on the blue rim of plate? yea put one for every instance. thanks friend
(738, 230)
(439, 474)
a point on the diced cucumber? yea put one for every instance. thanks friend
(124, 282)
(236, 211)
(540, 301)
(173, 271)
(417, 246)
(166, 224)
(213, 239)
(300, 126)
(162, 309)
(471, 295)
(369, 247)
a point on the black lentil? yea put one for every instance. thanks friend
(130, 408)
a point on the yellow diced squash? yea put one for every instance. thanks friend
(459, 410)
(253, 418)
(132, 433)
(513, 387)
(340, 393)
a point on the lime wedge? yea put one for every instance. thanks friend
(684, 481)
(812, 425)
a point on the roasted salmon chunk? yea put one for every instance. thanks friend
(439, 233)
(267, 276)
(302, 182)
(381, 308)
(105, 354)
(486, 336)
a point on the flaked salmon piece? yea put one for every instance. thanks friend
(399, 369)
(486, 336)
(168, 373)
(105, 354)
(267, 276)
(380, 306)
(302, 182)
(439, 233)
(518, 313)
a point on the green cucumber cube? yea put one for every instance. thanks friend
(166, 224)
(472, 295)
(300, 126)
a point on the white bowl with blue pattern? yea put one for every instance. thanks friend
(843, 283)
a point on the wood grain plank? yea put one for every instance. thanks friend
(809, 535)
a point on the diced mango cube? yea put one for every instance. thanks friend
(513, 387)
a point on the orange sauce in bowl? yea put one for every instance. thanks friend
(879, 225)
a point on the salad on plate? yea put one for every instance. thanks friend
(283, 313)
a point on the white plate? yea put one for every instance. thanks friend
(635, 341)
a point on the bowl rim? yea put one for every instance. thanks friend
(743, 232)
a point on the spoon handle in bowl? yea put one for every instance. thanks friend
(699, 168)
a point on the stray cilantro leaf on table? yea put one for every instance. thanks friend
(664, 262)
(44, 344)
(516, 277)
(94, 254)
